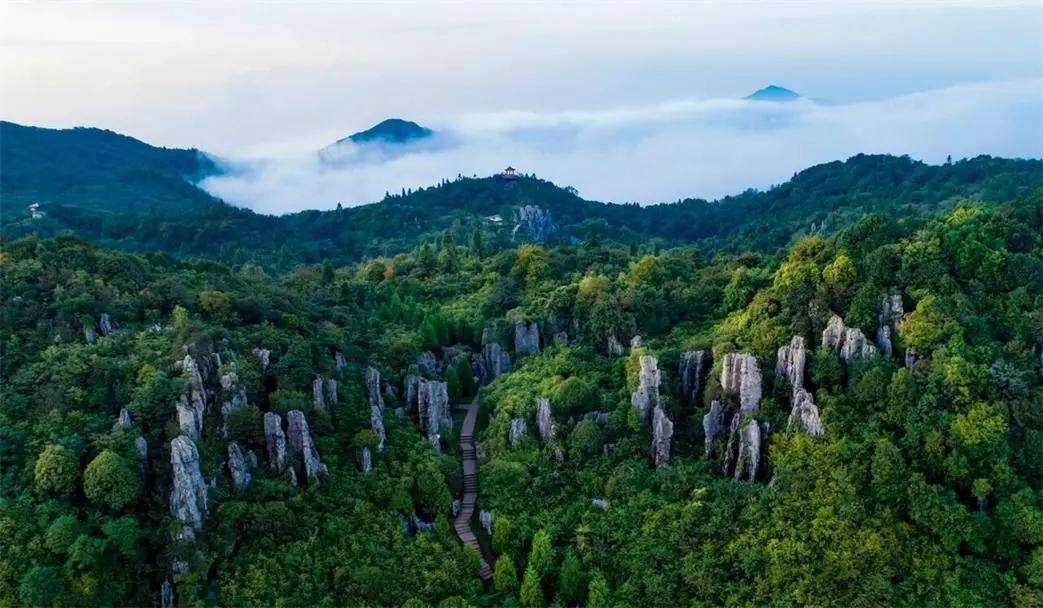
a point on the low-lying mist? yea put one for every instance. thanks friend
(649, 154)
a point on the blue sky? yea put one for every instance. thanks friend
(626, 101)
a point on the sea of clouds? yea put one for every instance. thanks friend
(658, 153)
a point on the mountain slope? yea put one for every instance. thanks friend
(774, 93)
(128, 195)
(98, 169)
(392, 131)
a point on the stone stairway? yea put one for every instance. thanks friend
(463, 519)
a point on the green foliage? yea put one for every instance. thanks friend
(246, 425)
(586, 439)
(598, 592)
(531, 594)
(57, 470)
(41, 586)
(574, 396)
(572, 581)
(541, 556)
(110, 481)
(505, 578)
(924, 490)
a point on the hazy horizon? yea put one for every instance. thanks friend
(626, 103)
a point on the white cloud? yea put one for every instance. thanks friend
(656, 153)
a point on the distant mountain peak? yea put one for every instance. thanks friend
(773, 93)
(391, 131)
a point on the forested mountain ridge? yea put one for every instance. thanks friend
(820, 199)
(98, 170)
(856, 422)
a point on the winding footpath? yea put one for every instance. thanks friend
(463, 519)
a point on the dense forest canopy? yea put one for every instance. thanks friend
(854, 419)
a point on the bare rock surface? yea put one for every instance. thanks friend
(804, 417)
(694, 367)
(662, 433)
(646, 397)
(790, 363)
(188, 495)
(303, 454)
(713, 427)
(239, 466)
(741, 377)
(544, 421)
(519, 429)
(275, 441)
(526, 338)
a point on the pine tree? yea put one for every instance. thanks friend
(505, 578)
(572, 579)
(476, 243)
(531, 595)
(597, 592)
(541, 558)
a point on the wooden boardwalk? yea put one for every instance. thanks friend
(467, 454)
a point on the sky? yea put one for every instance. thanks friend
(626, 102)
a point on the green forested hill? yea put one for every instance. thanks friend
(97, 170)
(121, 193)
(924, 487)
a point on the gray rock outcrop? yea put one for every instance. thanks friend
(302, 452)
(105, 325)
(366, 461)
(89, 335)
(324, 392)
(410, 391)
(491, 363)
(890, 318)
(190, 417)
(339, 361)
(526, 338)
(804, 417)
(662, 433)
(741, 377)
(123, 421)
(265, 357)
(713, 427)
(188, 498)
(433, 410)
(166, 595)
(600, 503)
(637, 342)
(646, 397)
(597, 416)
(533, 221)
(376, 398)
(376, 424)
(747, 462)
(275, 441)
(910, 357)
(142, 447)
(519, 429)
(849, 343)
(613, 346)
(233, 393)
(239, 466)
(789, 366)
(486, 518)
(427, 363)
(544, 421)
(694, 367)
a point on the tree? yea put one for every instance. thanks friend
(477, 246)
(586, 439)
(572, 580)
(505, 578)
(56, 470)
(40, 586)
(597, 592)
(573, 396)
(541, 557)
(327, 272)
(503, 532)
(531, 595)
(109, 481)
